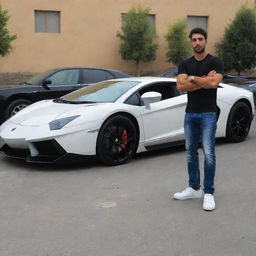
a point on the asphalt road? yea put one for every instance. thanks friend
(128, 210)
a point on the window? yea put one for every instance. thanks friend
(106, 91)
(134, 100)
(197, 21)
(65, 77)
(108, 75)
(168, 90)
(93, 75)
(152, 18)
(47, 21)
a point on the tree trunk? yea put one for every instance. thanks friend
(138, 67)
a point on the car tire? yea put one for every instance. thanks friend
(117, 141)
(15, 106)
(239, 122)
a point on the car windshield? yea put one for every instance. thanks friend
(107, 91)
(38, 78)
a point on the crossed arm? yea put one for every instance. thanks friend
(186, 84)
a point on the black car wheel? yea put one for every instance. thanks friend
(15, 106)
(117, 140)
(239, 122)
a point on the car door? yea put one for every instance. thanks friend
(163, 120)
(60, 83)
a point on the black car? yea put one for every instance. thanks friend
(246, 82)
(170, 73)
(235, 79)
(51, 84)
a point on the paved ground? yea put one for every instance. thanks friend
(128, 210)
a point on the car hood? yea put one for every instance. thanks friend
(44, 112)
(14, 89)
(15, 86)
(8, 87)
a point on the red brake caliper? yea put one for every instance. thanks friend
(124, 139)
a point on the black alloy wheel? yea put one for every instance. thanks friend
(15, 106)
(117, 140)
(239, 122)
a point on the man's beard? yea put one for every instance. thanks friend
(199, 51)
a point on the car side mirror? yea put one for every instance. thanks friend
(46, 82)
(151, 97)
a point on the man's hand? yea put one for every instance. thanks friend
(185, 85)
(212, 73)
(191, 78)
(210, 81)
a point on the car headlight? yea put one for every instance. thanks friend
(60, 123)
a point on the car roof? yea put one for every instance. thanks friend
(170, 73)
(78, 67)
(147, 79)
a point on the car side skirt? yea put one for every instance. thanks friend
(165, 145)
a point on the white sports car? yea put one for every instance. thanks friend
(114, 119)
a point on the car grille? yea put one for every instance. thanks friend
(15, 153)
(49, 148)
(48, 151)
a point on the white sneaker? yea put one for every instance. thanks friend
(188, 193)
(209, 203)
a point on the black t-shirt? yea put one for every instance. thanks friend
(202, 100)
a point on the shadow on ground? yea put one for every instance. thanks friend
(92, 164)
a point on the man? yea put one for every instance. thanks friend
(199, 76)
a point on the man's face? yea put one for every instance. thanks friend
(198, 43)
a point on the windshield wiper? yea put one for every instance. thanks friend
(27, 83)
(83, 102)
(59, 100)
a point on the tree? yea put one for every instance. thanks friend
(238, 46)
(5, 37)
(137, 37)
(178, 43)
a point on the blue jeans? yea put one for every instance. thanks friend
(201, 128)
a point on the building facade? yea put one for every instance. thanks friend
(63, 33)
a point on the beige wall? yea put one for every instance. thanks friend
(89, 28)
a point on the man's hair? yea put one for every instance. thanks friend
(198, 31)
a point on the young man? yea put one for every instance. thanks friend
(199, 76)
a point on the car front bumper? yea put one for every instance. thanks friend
(48, 152)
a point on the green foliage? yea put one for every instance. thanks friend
(137, 36)
(178, 43)
(238, 46)
(5, 37)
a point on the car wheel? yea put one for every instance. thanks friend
(117, 141)
(239, 122)
(15, 106)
